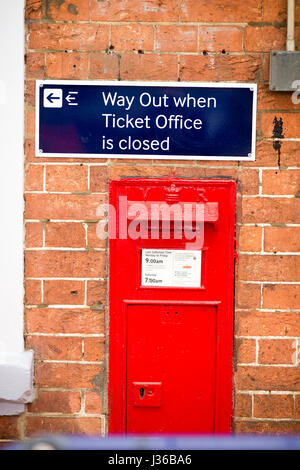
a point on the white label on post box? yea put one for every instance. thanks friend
(171, 268)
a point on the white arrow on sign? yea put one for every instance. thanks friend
(71, 98)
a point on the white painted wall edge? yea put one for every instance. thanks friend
(16, 384)
(15, 363)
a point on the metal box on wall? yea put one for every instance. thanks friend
(284, 70)
(171, 305)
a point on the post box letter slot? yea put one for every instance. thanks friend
(156, 210)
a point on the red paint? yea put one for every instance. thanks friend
(144, 394)
(173, 343)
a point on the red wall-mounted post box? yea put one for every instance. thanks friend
(171, 265)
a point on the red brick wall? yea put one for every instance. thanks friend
(65, 275)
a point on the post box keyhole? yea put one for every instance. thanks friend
(142, 392)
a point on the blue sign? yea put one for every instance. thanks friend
(163, 120)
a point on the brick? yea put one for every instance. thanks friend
(77, 10)
(67, 178)
(148, 67)
(34, 234)
(297, 37)
(265, 155)
(30, 92)
(269, 268)
(56, 402)
(290, 124)
(276, 10)
(76, 37)
(266, 67)
(281, 182)
(220, 38)
(176, 38)
(281, 296)
(199, 172)
(240, 68)
(282, 239)
(208, 163)
(297, 407)
(245, 350)
(33, 10)
(273, 406)
(132, 37)
(93, 240)
(104, 66)
(55, 348)
(268, 100)
(269, 427)
(33, 292)
(65, 264)
(93, 403)
(271, 210)
(64, 292)
(135, 10)
(267, 378)
(35, 64)
(66, 375)
(30, 122)
(220, 11)
(65, 234)
(64, 320)
(133, 161)
(264, 39)
(94, 349)
(198, 68)
(277, 351)
(250, 238)
(62, 206)
(29, 149)
(123, 171)
(249, 181)
(98, 179)
(243, 405)
(34, 176)
(290, 153)
(76, 426)
(267, 324)
(297, 10)
(67, 65)
(96, 292)
(248, 296)
(10, 427)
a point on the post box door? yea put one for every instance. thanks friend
(171, 368)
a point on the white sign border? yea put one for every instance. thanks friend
(173, 252)
(251, 86)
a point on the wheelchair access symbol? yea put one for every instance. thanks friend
(53, 98)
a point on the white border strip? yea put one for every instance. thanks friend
(251, 86)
